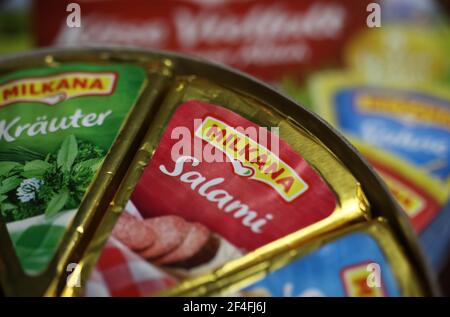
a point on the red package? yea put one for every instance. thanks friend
(243, 198)
(269, 38)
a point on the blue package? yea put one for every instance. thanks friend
(339, 268)
(411, 125)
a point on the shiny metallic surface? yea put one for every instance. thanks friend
(360, 193)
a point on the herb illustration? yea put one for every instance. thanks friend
(32, 184)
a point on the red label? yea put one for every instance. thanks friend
(265, 38)
(248, 193)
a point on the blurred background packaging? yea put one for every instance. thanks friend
(383, 83)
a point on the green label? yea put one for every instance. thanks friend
(56, 126)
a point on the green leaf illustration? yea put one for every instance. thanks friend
(19, 154)
(9, 184)
(67, 153)
(8, 206)
(93, 164)
(62, 179)
(6, 167)
(56, 203)
(36, 168)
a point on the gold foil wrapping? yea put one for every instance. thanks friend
(363, 202)
(232, 282)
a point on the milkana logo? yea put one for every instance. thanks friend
(53, 89)
(363, 280)
(251, 159)
(411, 201)
(418, 109)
